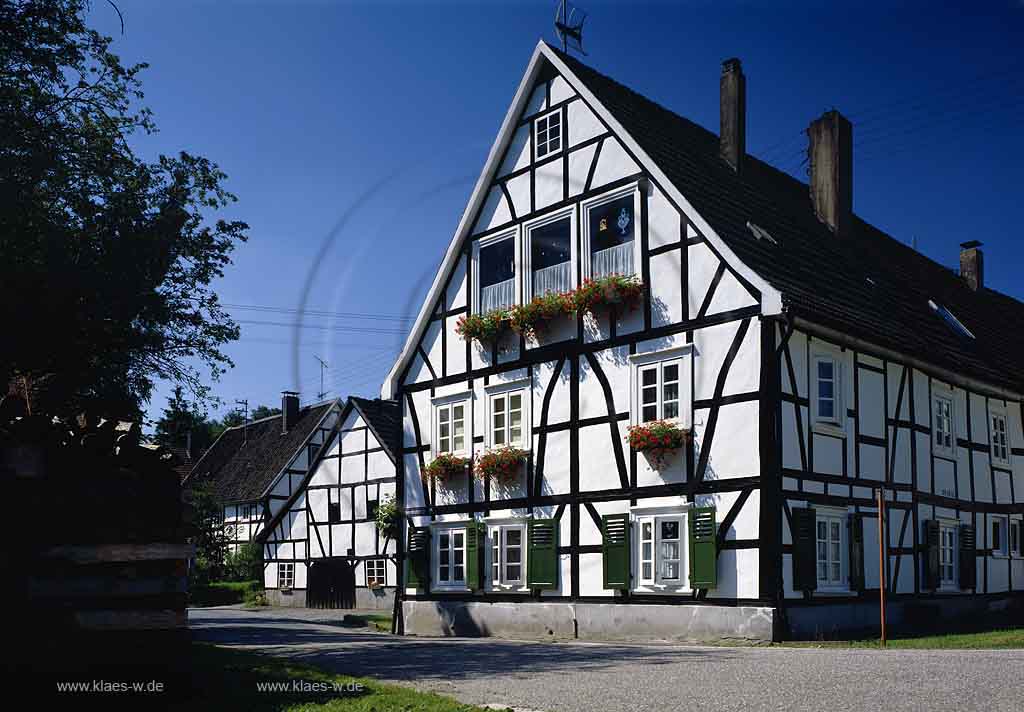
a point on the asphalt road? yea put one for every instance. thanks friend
(591, 677)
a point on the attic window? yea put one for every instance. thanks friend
(547, 133)
(947, 316)
(760, 233)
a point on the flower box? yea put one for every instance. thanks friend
(444, 467)
(596, 295)
(485, 328)
(502, 465)
(530, 318)
(657, 440)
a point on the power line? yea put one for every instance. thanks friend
(321, 327)
(321, 312)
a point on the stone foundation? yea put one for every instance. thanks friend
(296, 598)
(590, 621)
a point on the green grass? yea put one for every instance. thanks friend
(223, 679)
(223, 593)
(1002, 638)
(380, 621)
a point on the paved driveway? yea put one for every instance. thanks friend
(583, 677)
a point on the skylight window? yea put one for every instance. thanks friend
(947, 316)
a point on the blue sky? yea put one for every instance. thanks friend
(352, 134)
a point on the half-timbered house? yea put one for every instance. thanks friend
(250, 468)
(322, 547)
(811, 357)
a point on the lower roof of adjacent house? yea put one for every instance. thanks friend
(245, 459)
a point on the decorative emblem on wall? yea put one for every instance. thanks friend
(623, 221)
(602, 225)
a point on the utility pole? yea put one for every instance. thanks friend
(881, 560)
(323, 366)
(245, 419)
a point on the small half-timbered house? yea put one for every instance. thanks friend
(322, 546)
(811, 358)
(250, 468)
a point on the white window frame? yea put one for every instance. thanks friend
(440, 404)
(831, 516)
(951, 527)
(376, 571)
(286, 575)
(653, 517)
(497, 533)
(681, 355)
(451, 584)
(943, 394)
(527, 253)
(521, 386)
(835, 425)
(516, 237)
(998, 414)
(1016, 551)
(584, 218)
(1003, 522)
(546, 117)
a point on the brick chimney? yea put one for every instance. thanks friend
(972, 264)
(733, 114)
(831, 159)
(289, 410)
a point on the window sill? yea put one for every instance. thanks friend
(833, 592)
(944, 456)
(829, 429)
(450, 589)
(1001, 556)
(663, 589)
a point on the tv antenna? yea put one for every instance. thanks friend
(245, 419)
(323, 366)
(569, 21)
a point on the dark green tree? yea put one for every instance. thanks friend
(106, 259)
(264, 411)
(182, 418)
(208, 535)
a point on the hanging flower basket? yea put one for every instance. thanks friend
(596, 295)
(502, 465)
(657, 440)
(444, 467)
(533, 317)
(485, 328)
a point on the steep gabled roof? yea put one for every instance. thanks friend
(384, 420)
(865, 284)
(245, 460)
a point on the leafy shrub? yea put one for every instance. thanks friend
(388, 517)
(245, 564)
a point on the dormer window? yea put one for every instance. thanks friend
(547, 134)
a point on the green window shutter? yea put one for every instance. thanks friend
(805, 562)
(856, 543)
(615, 550)
(417, 558)
(542, 555)
(968, 557)
(476, 535)
(703, 547)
(931, 554)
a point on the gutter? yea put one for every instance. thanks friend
(944, 374)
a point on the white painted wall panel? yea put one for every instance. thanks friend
(519, 150)
(548, 184)
(613, 163)
(560, 90)
(598, 470)
(583, 123)
(666, 300)
(494, 212)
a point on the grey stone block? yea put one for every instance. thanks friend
(480, 619)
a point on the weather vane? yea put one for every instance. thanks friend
(569, 21)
